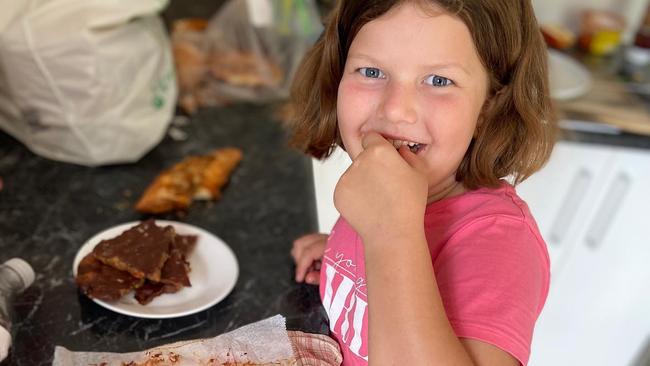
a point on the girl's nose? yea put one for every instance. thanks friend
(398, 104)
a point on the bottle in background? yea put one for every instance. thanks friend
(635, 67)
(642, 38)
(15, 276)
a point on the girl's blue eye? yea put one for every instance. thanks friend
(371, 72)
(438, 81)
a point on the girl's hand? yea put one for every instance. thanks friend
(307, 252)
(383, 194)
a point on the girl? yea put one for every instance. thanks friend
(435, 260)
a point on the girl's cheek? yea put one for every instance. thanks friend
(355, 100)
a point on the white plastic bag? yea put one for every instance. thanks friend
(85, 81)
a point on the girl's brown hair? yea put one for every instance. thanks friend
(517, 127)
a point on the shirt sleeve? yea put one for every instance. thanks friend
(493, 278)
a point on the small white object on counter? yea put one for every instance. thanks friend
(568, 78)
(15, 276)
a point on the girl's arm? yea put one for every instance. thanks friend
(407, 322)
(383, 196)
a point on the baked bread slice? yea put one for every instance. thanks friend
(141, 250)
(196, 177)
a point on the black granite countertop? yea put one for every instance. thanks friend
(48, 209)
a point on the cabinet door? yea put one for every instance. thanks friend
(326, 175)
(557, 194)
(598, 310)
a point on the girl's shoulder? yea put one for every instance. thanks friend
(501, 201)
(499, 206)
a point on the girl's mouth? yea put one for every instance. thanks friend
(415, 147)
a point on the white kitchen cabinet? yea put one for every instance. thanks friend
(563, 190)
(326, 173)
(598, 309)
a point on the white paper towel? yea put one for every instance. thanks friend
(260, 343)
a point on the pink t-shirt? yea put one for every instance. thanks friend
(490, 262)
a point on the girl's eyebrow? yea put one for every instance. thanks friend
(362, 56)
(437, 66)
(447, 66)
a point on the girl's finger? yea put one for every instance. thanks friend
(305, 262)
(412, 159)
(313, 278)
(371, 139)
(302, 266)
(308, 239)
(303, 242)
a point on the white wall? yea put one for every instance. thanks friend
(566, 12)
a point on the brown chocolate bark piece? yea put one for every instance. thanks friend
(174, 273)
(175, 270)
(184, 243)
(147, 292)
(100, 281)
(141, 250)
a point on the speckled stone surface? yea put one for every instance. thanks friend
(48, 209)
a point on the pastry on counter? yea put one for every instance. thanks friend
(194, 178)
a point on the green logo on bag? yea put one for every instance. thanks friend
(159, 89)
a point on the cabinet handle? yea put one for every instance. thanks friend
(570, 205)
(608, 209)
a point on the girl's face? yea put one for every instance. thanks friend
(414, 77)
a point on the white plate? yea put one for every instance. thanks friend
(568, 78)
(214, 272)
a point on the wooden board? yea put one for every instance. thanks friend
(610, 102)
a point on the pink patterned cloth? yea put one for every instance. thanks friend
(314, 349)
(490, 263)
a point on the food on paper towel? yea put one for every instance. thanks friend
(308, 349)
(263, 343)
(194, 178)
(119, 265)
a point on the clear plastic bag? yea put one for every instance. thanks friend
(248, 51)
